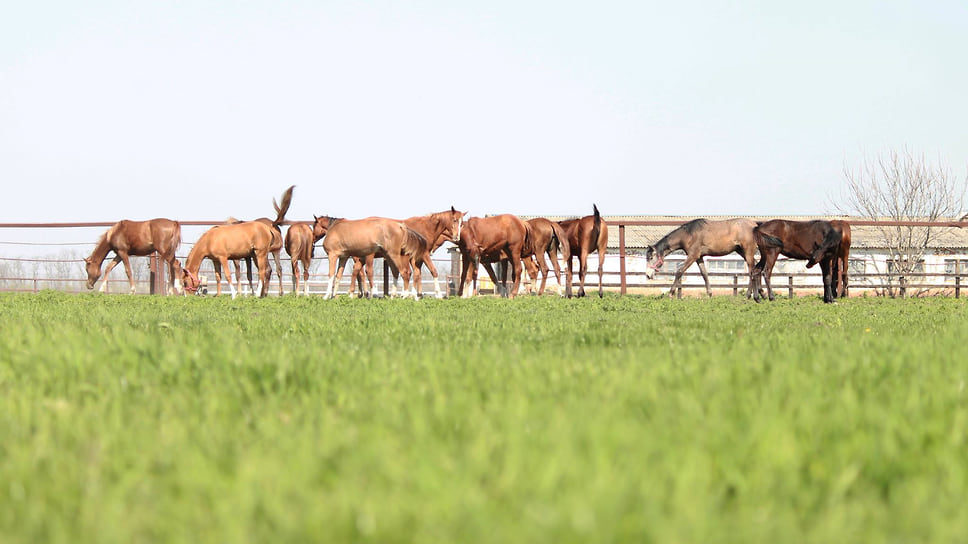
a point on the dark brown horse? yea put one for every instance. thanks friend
(436, 228)
(379, 236)
(136, 238)
(700, 238)
(547, 237)
(225, 243)
(300, 244)
(816, 241)
(585, 235)
(842, 264)
(275, 248)
(491, 239)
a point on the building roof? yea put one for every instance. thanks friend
(862, 237)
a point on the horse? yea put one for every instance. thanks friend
(300, 245)
(136, 238)
(436, 228)
(222, 243)
(361, 238)
(816, 241)
(546, 238)
(842, 263)
(585, 235)
(700, 238)
(491, 239)
(275, 248)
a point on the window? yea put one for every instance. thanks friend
(856, 266)
(894, 268)
(725, 265)
(955, 266)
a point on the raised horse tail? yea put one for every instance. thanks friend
(281, 209)
(414, 244)
(597, 228)
(765, 240)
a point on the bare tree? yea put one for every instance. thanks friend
(903, 186)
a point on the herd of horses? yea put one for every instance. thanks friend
(515, 244)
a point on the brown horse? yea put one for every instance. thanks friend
(275, 248)
(546, 238)
(842, 263)
(700, 238)
(379, 236)
(585, 235)
(437, 228)
(136, 238)
(816, 241)
(300, 245)
(491, 239)
(223, 243)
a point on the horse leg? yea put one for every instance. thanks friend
(294, 261)
(416, 289)
(426, 260)
(705, 276)
(517, 269)
(465, 274)
(582, 270)
(330, 287)
(675, 291)
(127, 269)
(826, 268)
(275, 255)
(767, 271)
(601, 269)
(107, 270)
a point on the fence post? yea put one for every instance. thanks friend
(621, 255)
(153, 273)
(903, 288)
(386, 279)
(790, 286)
(957, 286)
(735, 285)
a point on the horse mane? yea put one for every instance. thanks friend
(694, 225)
(284, 207)
(414, 244)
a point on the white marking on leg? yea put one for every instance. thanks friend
(437, 292)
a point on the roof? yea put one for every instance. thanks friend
(866, 237)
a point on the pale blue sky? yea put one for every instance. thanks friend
(202, 110)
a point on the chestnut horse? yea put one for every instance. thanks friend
(380, 236)
(546, 238)
(700, 238)
(300, 245)
(436, 228)
(491, 239)
(816, 241)
(842, 263)
(275, 248)
(136, 238)
(585, 235)
(224, 243)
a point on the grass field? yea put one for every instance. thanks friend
(152, 419)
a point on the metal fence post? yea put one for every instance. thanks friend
(790, 285)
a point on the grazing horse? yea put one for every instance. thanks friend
(275, 248)
(380, 236)
(816, 241)
(300, 244)
(223, 243)
(492, 239)
(842, 263)
(585, 235)
(700, 238)
(136, 238)
(547, 237)
(436, 228)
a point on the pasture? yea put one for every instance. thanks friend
(147, 419)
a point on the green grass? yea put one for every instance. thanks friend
(147, 419)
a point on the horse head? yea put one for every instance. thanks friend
(190, 282)
(653, 261)
(321, 226)
(455, 223)
(93, 272)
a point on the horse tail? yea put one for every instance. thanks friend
(175, 237)
(528, 247)
(281, 209)
(414, 244)
(560, 240)
(765, 240)
(597, 222)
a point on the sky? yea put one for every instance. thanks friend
(203, 110)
